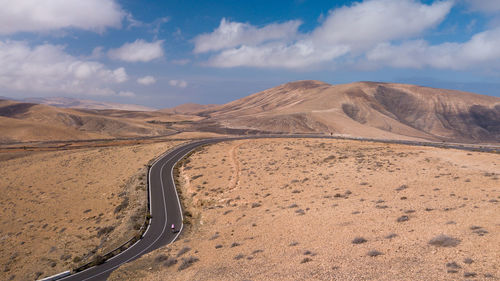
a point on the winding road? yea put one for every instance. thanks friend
(166, 209)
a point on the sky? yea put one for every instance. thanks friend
(165, 53)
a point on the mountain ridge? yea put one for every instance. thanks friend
(65, 102)
(365, 109)
(188, 108)
(22, 121)
(361, 109)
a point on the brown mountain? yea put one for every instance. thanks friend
(21, 121)
(86, 104)
(188, 108)
(366, 109)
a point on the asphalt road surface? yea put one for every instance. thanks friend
(166, 209)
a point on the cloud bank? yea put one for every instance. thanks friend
(373, 33)
(146, 80)
(481, 49)
(178, 83)
(49, 69)
(41, 16)
(233, 34)
(138, 51)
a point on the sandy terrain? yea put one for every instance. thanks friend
(297, 209)
(60, 206)
(28, 122)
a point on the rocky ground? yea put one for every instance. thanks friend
(312, 209)
(60, 208)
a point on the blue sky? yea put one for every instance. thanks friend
(164, 53)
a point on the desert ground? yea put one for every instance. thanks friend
(73, 184)
(61, 208)
(313, 209)
(22, 122)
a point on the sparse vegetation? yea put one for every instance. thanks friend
(105, 230)
(453, 265)
(88, 224)
(390, 236)
(359, 240)
(402, 187)
(161, 258)
(257, 251)
(170, 262)
(444, 241)
(263, 170)
(403, 219)
(478, 230)
(305, 260)
(123, 205)
(374, 253)
(187, 262)
(183, 251)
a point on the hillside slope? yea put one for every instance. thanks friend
(20, 121)
(65, 102)
(366, 109)
(188, 108)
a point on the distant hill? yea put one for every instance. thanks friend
(86, 104)
(22, 121)
(365, 109)
(188, 108)
(362, 109)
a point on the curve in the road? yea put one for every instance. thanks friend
(165, 210)
(165, 207)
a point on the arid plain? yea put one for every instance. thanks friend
(61, 208)
(73, 184)
(318, 209)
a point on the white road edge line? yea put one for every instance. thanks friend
(175, 188)
(164, 226)
(157, 238)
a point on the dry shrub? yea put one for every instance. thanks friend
(444, 241)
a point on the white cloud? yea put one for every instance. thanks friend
(36, 16)
(232, 34)
(178, 83)
(132, 22)
(364, 24)
(146, 80)
(48, 69)
(120, 75)
(127, 94)
(97, 53)
(481, 49)
(296, 55)
(138, 51)
(345, 31)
